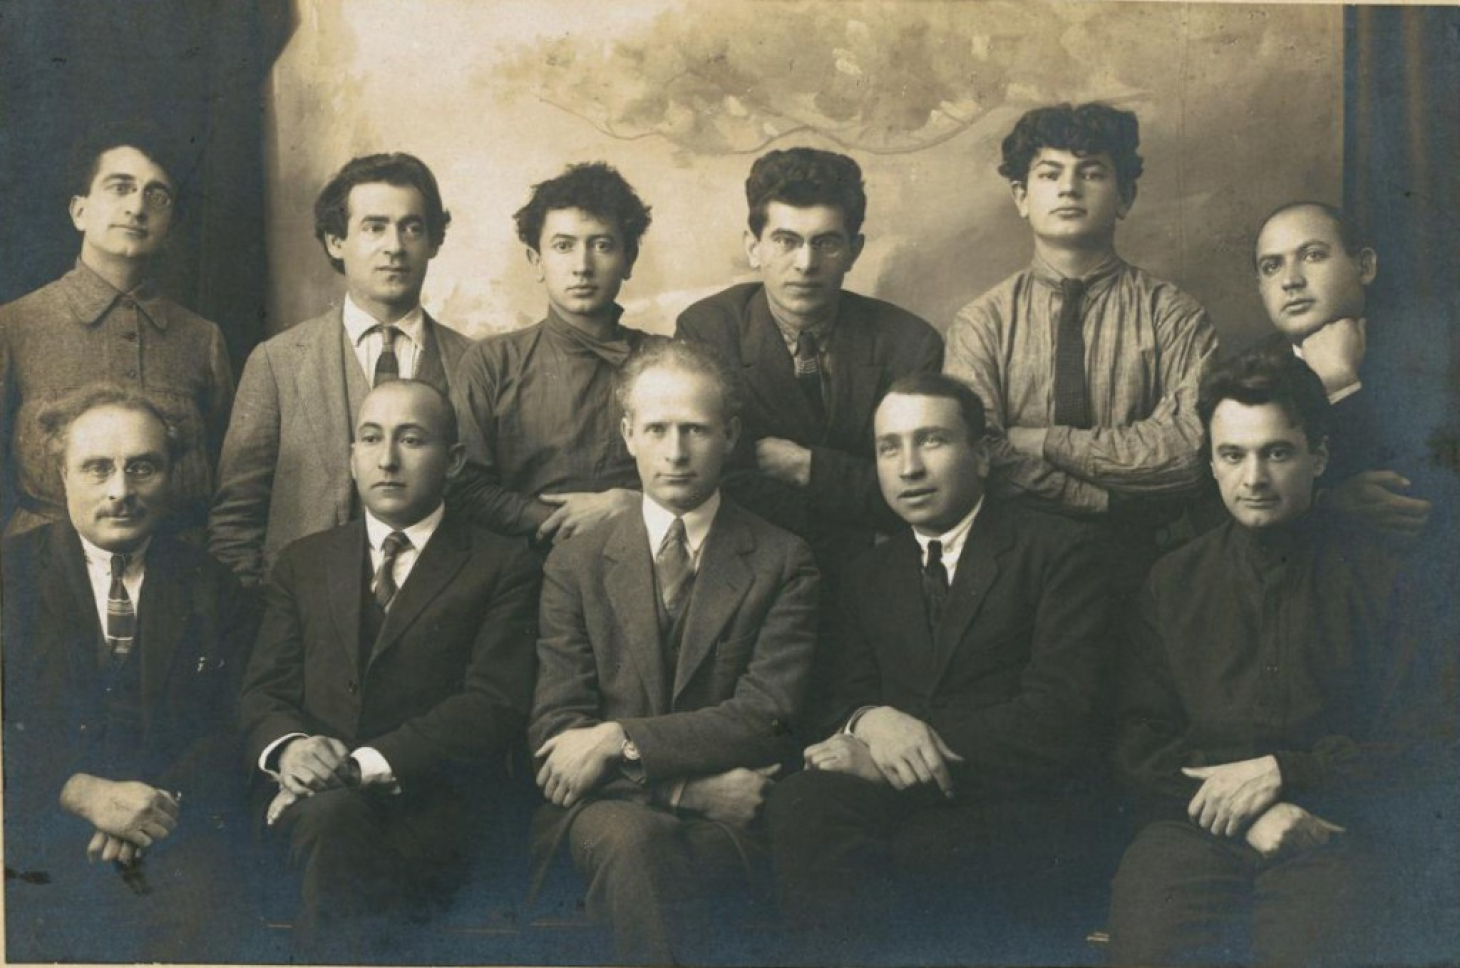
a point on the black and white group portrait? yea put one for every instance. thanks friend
(772, 482)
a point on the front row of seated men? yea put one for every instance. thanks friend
(952, 770)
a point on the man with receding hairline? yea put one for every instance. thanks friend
(123, 647)
(675, 645)
(391, 677)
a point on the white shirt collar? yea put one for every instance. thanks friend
(358, 323)
(377, 530)
(952, 540)
(97, 557)
(657, 520)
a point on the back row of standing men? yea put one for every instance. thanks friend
(957, 697)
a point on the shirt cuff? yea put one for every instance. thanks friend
(1343, 393)
(850, 728)
(374, 770)
(269, 758)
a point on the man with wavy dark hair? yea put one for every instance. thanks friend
(285, 469)
(107, 320)
(544, 457)
(1088, 365)
(812, 358)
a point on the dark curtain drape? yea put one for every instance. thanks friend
(194, 67)
(1401, 175)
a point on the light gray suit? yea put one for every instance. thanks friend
(285, 468)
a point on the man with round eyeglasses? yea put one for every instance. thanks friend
(107, 320)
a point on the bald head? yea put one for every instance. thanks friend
(404, 452)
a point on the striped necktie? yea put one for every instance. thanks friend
(387, 364)
(808, 372)
(385, 587)
(121, 616)
(673, 565)
(1071, 398)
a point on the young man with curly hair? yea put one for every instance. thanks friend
(1088, 365)
(812, 358)
(543, 453)
(285, 469)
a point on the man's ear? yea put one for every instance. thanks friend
(1127, 199)
(457, 460)
(1020, 191)
(77, 209)
(334, 245)
(752, 248)
(732, 431)
(1368, 266)
(626, 430)
(859, 241)
(534, 259)
(1320, 455)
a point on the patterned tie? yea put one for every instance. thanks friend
(808, 372)
(673, 566)
(1071, 400)
(935, 583)
(121, 617)
(390, 549)
(387, 364)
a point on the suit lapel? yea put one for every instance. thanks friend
(771, 372)
(430, 368)
(977, 570)
(68, 598)
(855, 377)
(719, 588)
(440, 561)
(346, 561)
(162, 613)
(629, 582)
(320, 378)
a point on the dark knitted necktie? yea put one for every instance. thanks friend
(935, 583)
(808, 372)
(387, 364)
(390, 549)
(121, 616)
(1071, 397)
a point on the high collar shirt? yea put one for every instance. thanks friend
(1288, 641)
(365, 332)
(1147, 344)
(952, 542)
(79, 330)
(538, 416)
(658, 520)
(99, 573)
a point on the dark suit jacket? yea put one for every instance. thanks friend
(872, 344)
(743, 664)
(285, 468)
(1013, 677)
(450, 675)
(194, 629)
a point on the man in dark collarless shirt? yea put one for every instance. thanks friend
(1088, 365)
(1281, 717)
(544, 456)
(106, 320)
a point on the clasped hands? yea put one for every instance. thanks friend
(575, 761)
(128, 815)
(309, 765)
(889, 746)
(1242, 796)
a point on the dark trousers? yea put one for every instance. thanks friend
(187, 904)
(868, 874)
(674, 889)
(1183, 896)
(368, 863)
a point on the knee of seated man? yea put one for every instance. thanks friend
(614, 832)
(344, 812)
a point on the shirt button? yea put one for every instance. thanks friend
(352, 687)
(1271, 667)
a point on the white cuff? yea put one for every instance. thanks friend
(374, 770)
(1345, 392)
(276, 745)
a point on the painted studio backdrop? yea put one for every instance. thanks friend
(681, 98)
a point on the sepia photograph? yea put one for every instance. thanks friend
(733, 482)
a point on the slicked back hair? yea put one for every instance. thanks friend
(944, 388)
(332, 208)
(659, 352)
